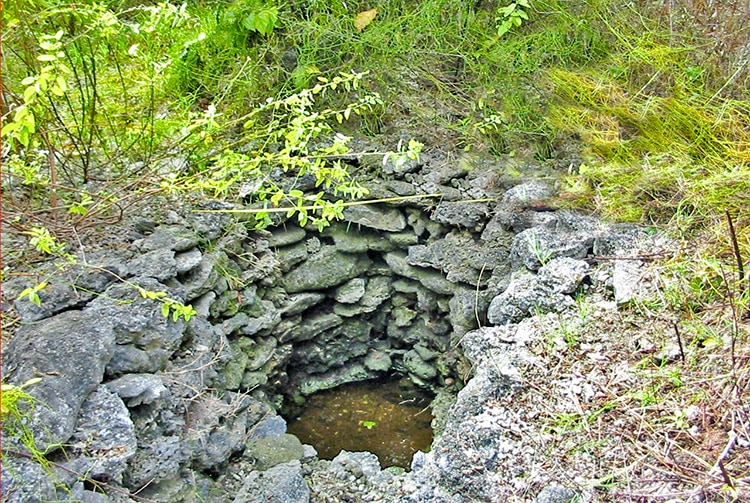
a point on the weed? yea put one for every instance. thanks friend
(535, 243)
(15, 405)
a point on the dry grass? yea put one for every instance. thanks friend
(646, 403)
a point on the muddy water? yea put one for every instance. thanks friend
(373, 416)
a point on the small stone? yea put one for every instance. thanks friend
(269, 427)
(281, 484)
(555, 494)
(325, 269)
(269, 452)
(158, 264)
(252, 380)
(378, 361)
(417, 366)
(287, 236)
(351, 291)
(187, 261)
(297, 303)
(425, 353)
(139, 389)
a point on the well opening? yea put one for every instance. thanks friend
(388, 417)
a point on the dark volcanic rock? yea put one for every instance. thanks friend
(69, 352)
(145, 338)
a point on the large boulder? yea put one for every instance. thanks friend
(69, 352)
(479, 431)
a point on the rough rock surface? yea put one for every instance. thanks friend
(69, 352)
(179, 410)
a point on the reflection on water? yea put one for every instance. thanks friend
(374, 416)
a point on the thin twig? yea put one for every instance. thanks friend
(737, 255)
(679, 341)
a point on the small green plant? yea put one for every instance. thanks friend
(252, 16)
(512, 16)
(15, 406)
(404, 155)
(169, 306)
(51, 80)
(45, 242)
(33, 293)
(287, 131)
(368, 424)
(542, 254)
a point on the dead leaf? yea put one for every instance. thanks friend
(364, 18)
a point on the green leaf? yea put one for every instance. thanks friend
(28, 95)
(61, 83)
(46, 57)
(165, 310)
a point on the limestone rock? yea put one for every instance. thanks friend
(297, 303)
(429, 279)
(627, 279)
(159, 459)
(104, 436)
(478, 420)
(272, 426)
(378, 361)
(329, 380)
(69, 351)
(268, 319)
(417, 366)
(187, 261)
(145, 338)
(564, 274)
(465, 307)
(527, 193)
(210, 225)
(289, 256)
(25, 480)
(157, 264)
(281, 484)
(172, 237)
(325, 269)
(359, 463)
(286, 236)
(461, 257)
(202, 278)
(258, 350)
(269, 452)
(555, 494)
(234, 370)
(376, 292)
(351, 291)
(351, 238)
(464, 215)
(376, 217)
(139, 389)
(568, 235)
(524, 295)
(65, 290)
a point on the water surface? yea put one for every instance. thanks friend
(375, 416)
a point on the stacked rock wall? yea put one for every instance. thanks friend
(143, 402)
